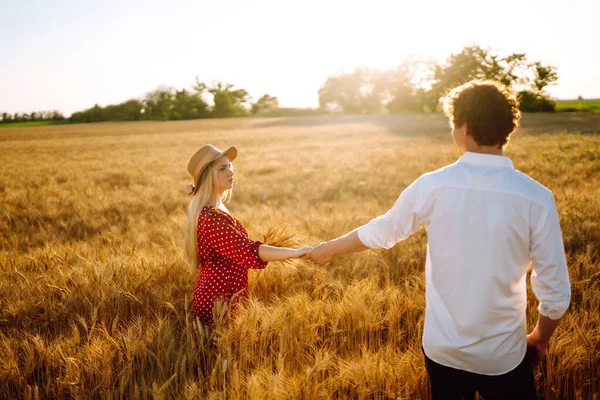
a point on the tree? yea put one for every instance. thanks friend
(76, 117)
(6, 117)
(158, 103)
(531, 101)
(513, 73)
(94, 114)
(57, 116)
(459, 68)
(164, 103)
(200, 87)
(406, 89)
(189, 105)
(228, 102)
(352, 92)
(475, 62)
(131, 110)
(536, 99)
(544, 75)
(265, 103)
(514, 70)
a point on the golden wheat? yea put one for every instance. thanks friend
(95, 295)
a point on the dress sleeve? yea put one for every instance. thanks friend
(221, 235)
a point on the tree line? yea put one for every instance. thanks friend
(168, 103)
(416, 85)
(35, 116)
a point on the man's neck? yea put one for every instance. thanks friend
(493, 150)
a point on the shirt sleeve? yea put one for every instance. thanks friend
(397, 224)
(221, 235)
(550, 277)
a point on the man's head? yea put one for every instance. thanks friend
(482, 114)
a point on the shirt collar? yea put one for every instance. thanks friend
(490, 160)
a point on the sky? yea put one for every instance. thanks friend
(71, 54)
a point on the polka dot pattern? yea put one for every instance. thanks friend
(225, 253)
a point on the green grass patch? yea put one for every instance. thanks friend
(32, 123)
(579, 105)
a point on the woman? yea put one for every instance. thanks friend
(216, 242)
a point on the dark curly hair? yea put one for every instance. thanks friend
(490, 110)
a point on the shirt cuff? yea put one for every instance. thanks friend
(364, 235)
(553, 313)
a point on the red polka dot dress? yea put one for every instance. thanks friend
(224, 254)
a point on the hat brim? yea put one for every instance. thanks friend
(231, 154)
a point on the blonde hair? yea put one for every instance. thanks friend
(207, 190)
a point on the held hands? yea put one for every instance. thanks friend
(322, 254)
(302, 252)
(326, 251)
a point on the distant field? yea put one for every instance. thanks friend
(576, 105)
(95, 294)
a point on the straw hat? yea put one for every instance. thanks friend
(203, 157)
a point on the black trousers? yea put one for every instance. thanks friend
(449, 383)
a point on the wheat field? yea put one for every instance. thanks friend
(95, 294)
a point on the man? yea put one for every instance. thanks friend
(486, 223)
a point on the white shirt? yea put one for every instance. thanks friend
(486, 224)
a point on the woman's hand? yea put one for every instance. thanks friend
(302, 252)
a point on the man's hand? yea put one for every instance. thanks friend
(537, 341)
(322, 254)
(536, 349)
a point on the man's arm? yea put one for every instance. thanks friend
(539, 338)
(349, 243)
(549, 281)
(401, 221)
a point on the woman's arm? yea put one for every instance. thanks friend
(270, 253)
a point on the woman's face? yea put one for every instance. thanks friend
(224, 174)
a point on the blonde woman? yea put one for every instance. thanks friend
(217, 243)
